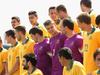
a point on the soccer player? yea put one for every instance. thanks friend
(91, 41)
(15, 21)
(41, 50)
(98, 21)
(71, 67)
(3, 59)
(13, 53)
(56, 42)
(74, 41)
(29, 63)
(27, 45)
(96, 57)
(86, 6)
(33, 17)
(53, 15)
(62, 13)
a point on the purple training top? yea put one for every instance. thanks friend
(75, 43)
(56, 43)
(43, 60)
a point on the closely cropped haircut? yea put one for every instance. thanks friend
(97, 52)
(84, 18)
(87, 3)
(66, 53)
(61, 8)
(97, 20)
(21, 29)
(31, 57)
(10, 33)
(36, 30)
(53, 7)
(16, 17)
(33, 13)
(69, 23)
(47, 23)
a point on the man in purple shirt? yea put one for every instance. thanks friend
(74, 41)
(41, 50)
(56, 42)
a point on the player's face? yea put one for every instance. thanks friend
(15, 23)
(62, 61)
(51, 28)
(0, 43)
(18, 36)
(98, 26)
(25, 64)
(98, 60)
(61, 14)
(53, 14)
(83, 8)
(63, 29)
(8, 39)
(33, 19)
(34, 37)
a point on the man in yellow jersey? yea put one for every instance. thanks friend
(53, 15)
(29, 63)
(71, 67)
(27, 44)
(33, 17)
(96, 57)
(98, 21)
(86, 6)
(3, 59)
(62, 13)
(91, 41)
(13, 53)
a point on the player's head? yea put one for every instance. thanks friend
(84, 20)
(67, 25)
(9, 35)
(20, 31)
(97, 57)
(61, 11)
(33, 17)
(53, 13)
(29, 60)
(85, 5)
(15, 21)
(0, 42)
(36, 33)
(98, 21)
(64, 55)
(50, 27)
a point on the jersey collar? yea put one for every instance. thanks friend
(25, 41)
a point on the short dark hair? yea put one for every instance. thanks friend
(47, 23)
(16, 17)
(84, 18)
(21, 28)
(65, 52)
(10, 33)
(31, 57)
(61, 8)
(97, 20)
(36, 30)
(87, 3)
(97, 52)
(69, 23)
(53, 7)
(33, 13)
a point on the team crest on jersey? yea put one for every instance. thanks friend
(40, 48)
(58, 41)
(72, 43)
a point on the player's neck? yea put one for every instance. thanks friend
(35, 24)
(40, 39)
(55, 33)
(70, 34)
(23, 38)
(89, 29)
(31, 69)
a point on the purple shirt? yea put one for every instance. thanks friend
(75, 43)
(56, 43)
(43, 60)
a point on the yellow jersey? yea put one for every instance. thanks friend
(90, 43)
(77, 69)
(13, 53)
(26, 48)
